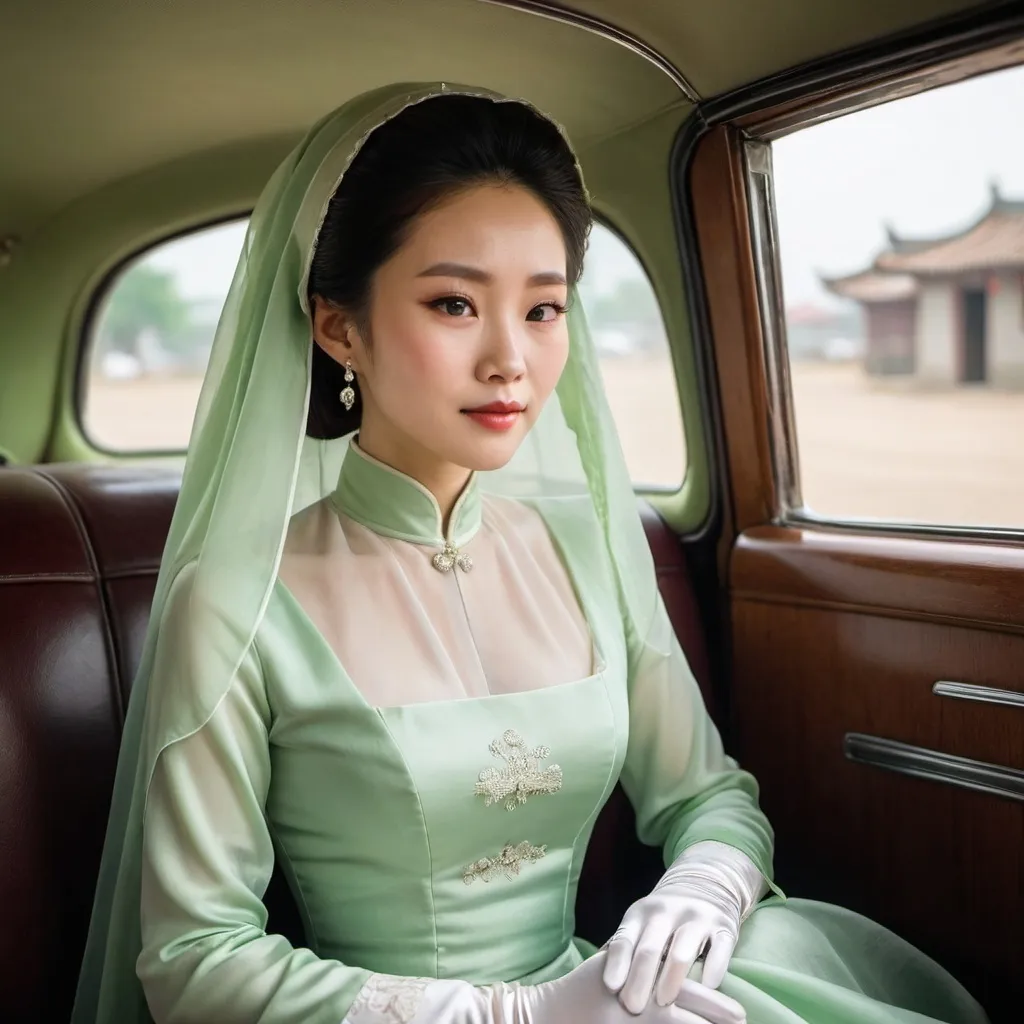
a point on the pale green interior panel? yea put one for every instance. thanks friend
(107, 89)
(723, 44)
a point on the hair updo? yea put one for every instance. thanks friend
(421, 156)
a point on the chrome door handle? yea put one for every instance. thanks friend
(981, 694)
(935, 765)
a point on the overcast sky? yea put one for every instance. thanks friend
(923, 165)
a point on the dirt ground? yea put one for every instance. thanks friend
(871, 449)
(894, 451)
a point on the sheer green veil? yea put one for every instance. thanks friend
(250, 468)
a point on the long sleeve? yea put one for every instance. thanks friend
(207, 860)
(682, 785)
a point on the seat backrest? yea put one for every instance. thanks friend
(79, 552)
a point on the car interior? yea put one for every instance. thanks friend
(865, 667)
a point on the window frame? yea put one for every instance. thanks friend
(761, 130)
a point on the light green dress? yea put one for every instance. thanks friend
(425, 752)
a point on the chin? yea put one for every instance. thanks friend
(483, 454)
(484, 461)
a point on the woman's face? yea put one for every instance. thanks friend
(467, 334)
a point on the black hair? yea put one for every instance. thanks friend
(421, 156)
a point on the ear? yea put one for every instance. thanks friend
(336, 333)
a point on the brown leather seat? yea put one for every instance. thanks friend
(79, 552)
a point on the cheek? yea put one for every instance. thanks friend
(548, 360)
(414, 356)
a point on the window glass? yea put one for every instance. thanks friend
(151, 341)
(632, 347)
(155, 327)
(901, 236)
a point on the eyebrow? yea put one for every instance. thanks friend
(483, 277)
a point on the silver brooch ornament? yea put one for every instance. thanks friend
(447, 559)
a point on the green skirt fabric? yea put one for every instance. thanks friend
(804, 962)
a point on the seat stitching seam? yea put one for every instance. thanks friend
(110, 642)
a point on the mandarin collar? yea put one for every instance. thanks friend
(395, 505)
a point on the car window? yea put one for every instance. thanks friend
(151, 339)
(901, 242)
(636, 365)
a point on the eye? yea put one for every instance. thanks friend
(545, 312)
(453, 305)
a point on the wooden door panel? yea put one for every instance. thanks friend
(873, 675)
(933, 579)
(820, 651)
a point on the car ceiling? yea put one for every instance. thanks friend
(101, 91)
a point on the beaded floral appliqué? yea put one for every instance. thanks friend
(388, 998)
(522, 776)
(507, 863)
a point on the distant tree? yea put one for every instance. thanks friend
(631, 302)
(145, 298)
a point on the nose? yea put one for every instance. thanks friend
(502, 359)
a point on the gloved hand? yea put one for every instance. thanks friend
(577, 998)
(696, 908)
(581, 998)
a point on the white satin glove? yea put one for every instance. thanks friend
(577, 998)
(696, 908)
(581, 998)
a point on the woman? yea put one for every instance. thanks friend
(411, 664)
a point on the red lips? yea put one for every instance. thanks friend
(498, 407)
(496, 416)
